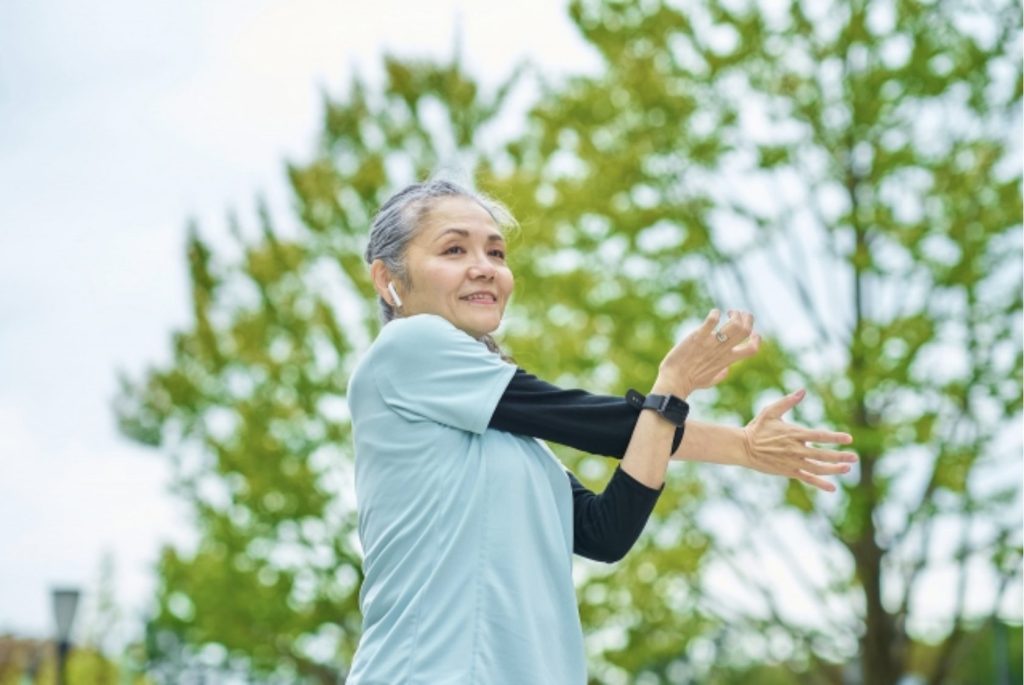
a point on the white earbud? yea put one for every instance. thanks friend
(394, 294)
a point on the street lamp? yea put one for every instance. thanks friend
(65, 601)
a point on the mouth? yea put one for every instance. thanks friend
(484, 298)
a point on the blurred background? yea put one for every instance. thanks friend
(186, 193)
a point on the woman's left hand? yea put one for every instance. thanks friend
(779, 448)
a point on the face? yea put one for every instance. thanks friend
(456, 267)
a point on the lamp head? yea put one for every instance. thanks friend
(65, 602)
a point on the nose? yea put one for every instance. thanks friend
(481, 268)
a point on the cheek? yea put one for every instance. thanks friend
(441, 279)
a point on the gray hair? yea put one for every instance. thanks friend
(398, 220)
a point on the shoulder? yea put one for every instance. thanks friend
(418, 328)
(425, 337)
(404, 343)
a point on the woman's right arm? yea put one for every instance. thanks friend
(607, 525)
(609, 425)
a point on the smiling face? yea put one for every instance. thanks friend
(456, 267)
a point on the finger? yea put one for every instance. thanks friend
(820, 469)
(739, 325)
(742, 316)
(749, 348)
(711, 321)
(720, 376)
(780, 407)
(814, 481)
(824, 436)
(747, 319)
(833, 456)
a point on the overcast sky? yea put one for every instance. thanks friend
(118, 122)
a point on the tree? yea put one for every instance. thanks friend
(647, 193)
(851, 173)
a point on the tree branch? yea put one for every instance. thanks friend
(762, 524)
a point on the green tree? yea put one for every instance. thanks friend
(851, 173)
(846, 171)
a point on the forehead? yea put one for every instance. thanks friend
(456, 212)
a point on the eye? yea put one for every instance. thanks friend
(500, 254)
(454, 249)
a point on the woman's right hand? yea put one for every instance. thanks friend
(702, 360)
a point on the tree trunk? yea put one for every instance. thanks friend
(878, 661)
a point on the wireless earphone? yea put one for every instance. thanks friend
(394, 294)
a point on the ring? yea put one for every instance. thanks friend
(720, 336)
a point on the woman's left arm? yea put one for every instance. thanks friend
(597, 424)
(602, 424)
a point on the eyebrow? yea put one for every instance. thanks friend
(492, 238)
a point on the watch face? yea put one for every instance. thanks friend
(676, 410)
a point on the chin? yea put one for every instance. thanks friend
(483, 327)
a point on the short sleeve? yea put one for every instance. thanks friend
(427, 369)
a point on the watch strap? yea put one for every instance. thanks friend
(670, 407)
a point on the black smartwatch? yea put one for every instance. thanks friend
(671, 408)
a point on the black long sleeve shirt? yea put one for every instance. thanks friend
(606, 525)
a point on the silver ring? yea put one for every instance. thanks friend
(720, 336)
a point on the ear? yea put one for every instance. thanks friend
(380, 276)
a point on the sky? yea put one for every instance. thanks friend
(119, 122)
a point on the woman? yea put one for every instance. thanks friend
(468, 522)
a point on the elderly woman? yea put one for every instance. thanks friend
(468, 522)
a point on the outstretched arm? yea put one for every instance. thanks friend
(597, 424)
(603, 424)
(770, 445)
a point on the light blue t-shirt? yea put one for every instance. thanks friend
(466, 531)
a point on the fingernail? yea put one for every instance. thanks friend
(800, 393)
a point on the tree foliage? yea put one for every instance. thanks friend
(850, 172)
(855, 169)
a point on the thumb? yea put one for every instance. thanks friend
(776, 409)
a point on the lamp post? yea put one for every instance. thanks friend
(65, 601)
